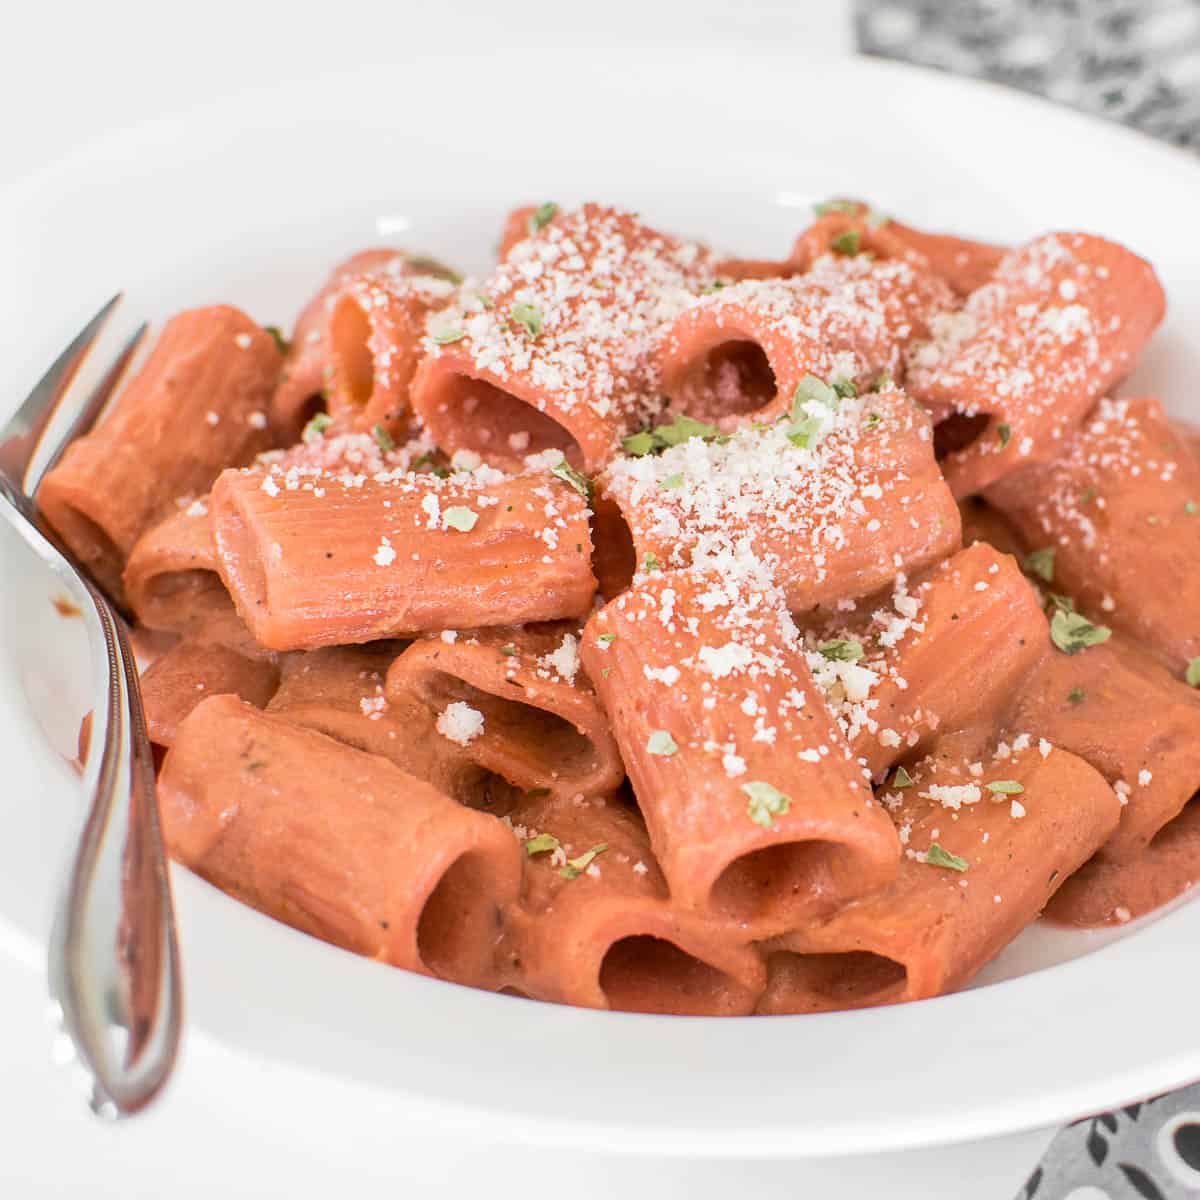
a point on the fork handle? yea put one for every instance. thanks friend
(114, 956)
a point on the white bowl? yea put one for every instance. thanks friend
(250, 201)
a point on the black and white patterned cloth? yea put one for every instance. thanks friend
(1135, 61)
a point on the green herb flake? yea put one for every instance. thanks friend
(542, 216)
(383, 439)
(281, 343)
(672, 481)
(444, 337)
(902, 779)
(715, 286)
(316, 427)
(1192, 674)
(1040, 563)
(802, 432)
(842, 650)
(1088, 495)
(573, 478)
(576, 866)
(607, 639)
(847, 243)
(766, 803)
(529, 317)
(1072, 632)
(650, 563)
(845, 389)
(873, 419)
(1061, 603)
(811, 388)
(1004, 433)
(935, 856)
(883, 381)
(683, 429)
(462, 519)
(661, 743)
(838, 204)
(1005, 787)
(544, 843)
(1075, 696)
(639, 444)
(509, 650)
(1190, 507)
(605, 672)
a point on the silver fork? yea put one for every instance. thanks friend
(113, 958)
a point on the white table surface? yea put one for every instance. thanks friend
(68, 73)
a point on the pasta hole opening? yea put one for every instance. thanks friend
(92, 546)
(648, 974)
(731, 379)
(957, 432)
(788, 878)
(190, 585)
(1178, 825)
(349, 346)
(527, 738)
(849, 979)
(459, 920)
(472, 414)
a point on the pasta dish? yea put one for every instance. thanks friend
(643, 628)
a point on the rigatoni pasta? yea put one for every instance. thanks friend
(629, 628)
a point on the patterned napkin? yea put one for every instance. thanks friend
(1135, 61)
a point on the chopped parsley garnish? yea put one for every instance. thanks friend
(847, 243)
(1190, 507)
(935, 856)
(1192, 674)
(1041, 563)
(573, 478)
(841, 650)
(650, 563)
(902, 779)
(509, 650)
(529, 317)
(542, 216)
(660, 742)
(640, 444)
(811, 388)
(845, 388)
(544, 843)
(316, 427)
(1072, 632)
(281, 343)
(1004, 433)
(607, 639)
(462, 519)
(873, 419)
(1075, 696)
(678, 431)
(1061, 603)
(383, 439)
(672, 481)
(444, 337)
(1005, 787)
(801, 432)
(766, 803)
(424, 265)
(838, 204)
(715, 286)
(576, 866)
